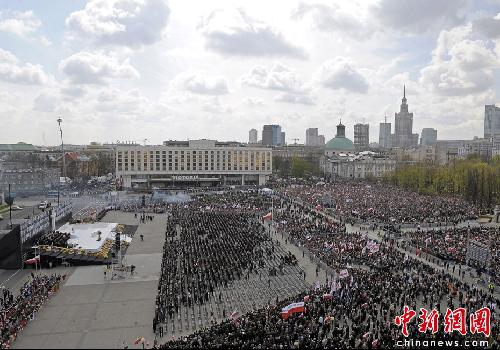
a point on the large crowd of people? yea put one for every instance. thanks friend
(17, 312)
(452, 244)
(356, 201)
(372, 283)
(204, 251)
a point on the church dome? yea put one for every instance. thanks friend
(340, 144)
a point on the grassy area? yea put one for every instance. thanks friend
(3, 208)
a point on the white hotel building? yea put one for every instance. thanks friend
(192, 163)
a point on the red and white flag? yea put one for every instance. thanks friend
(292, 309)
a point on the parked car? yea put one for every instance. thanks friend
(44, 205)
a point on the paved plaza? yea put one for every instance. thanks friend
(92, 312)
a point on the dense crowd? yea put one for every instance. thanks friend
(452, 244)
(17, 312)
(371, 285)
(362, 202)
(204, 251)
(235, 201)
(55, 238)
(358, 312)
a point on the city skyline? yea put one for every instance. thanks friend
(171, 70)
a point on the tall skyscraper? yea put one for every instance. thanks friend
(491, 122)
(384, 136)
(321, 140)
(361, 136)
(271, 135)
(312, 137)
(282, 141)
(252, 136)
(403, 136)
(428, 137)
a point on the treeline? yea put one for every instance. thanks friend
(475, 180)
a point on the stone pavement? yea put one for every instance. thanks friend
(92, 312)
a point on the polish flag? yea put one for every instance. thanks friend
(292, 309)
(268, 217)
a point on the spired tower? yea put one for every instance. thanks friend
(403, 136)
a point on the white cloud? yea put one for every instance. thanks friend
(488, 26)
(460, 65)
(132, 23)
(214, 105)
(201, 84)
(342, 74)
(335, 18)
(294, 98)
(45, 103)
(233, 32)
(95, 68)
(13, 71)
(113, 100)
(19, 23)
(279, 78)
(417, 16)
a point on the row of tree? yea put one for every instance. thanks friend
(473, 179)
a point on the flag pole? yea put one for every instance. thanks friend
(272, 213)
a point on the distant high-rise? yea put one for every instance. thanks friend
(491, 122)
(384, 136)
(321, 140)
(312, 137)
(428, 137)
(361, 136)
(271, 135)
(403, 136)
(282, 141)
(252, 136)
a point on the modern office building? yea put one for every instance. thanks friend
(491, 122)
(282, 139)
(191, 164)
(361, 136)
(403, 136)
(312, 137)
(321, 140)
(271, 135)
(384, 138)
(428, 137)
(253, 136)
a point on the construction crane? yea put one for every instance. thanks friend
(296, 141)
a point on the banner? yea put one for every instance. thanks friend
(291, 309)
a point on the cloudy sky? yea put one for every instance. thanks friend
(158, 70)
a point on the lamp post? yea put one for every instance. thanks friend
(63, 159)
(10, 200)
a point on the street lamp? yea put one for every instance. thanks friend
(59, 120)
